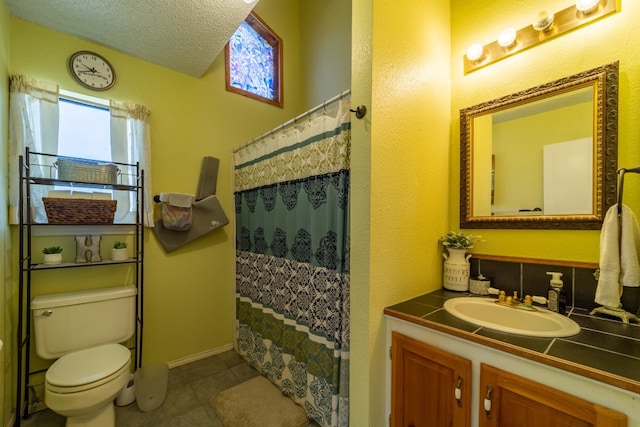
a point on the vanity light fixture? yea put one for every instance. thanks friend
(507, 37)
(546, 26)
(587, 6)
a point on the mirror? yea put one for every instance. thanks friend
(544, 158)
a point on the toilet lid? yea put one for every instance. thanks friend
(87, 366)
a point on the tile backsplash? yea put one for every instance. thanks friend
(532, 279)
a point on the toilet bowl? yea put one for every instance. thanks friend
(83, 385)
(83, 331)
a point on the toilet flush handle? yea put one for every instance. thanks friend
(45, 313)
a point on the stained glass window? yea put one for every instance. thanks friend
(253, 62)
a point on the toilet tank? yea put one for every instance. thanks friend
(73, 321)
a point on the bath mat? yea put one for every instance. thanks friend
(257, 403)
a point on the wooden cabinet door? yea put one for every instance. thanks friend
(423, 386)
(518, 401)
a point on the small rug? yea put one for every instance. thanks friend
(257, 403)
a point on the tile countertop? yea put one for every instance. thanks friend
(605, 350)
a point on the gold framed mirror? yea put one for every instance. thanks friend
(545, 157)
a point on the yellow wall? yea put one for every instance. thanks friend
(326, 60)
(360, 223)
(603, 42)
(408, 182)
(6, 289)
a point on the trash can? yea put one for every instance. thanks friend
(128, 393)
(151, 386)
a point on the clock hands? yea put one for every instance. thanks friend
(93, 70)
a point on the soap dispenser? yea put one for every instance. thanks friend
(556, 297)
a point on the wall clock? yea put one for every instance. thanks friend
(92, 71)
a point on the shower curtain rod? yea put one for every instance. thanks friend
(295, 119)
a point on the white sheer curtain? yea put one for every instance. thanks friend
(33, 123)
(130, 143)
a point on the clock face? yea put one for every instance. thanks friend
(92, 70)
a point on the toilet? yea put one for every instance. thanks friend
(83, 331)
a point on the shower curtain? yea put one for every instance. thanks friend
(292, 260)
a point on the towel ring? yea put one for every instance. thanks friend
(621, 173)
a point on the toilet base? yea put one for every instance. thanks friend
(105, 417)
(87, 405)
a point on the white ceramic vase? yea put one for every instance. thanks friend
(455, 275)
(121, 254)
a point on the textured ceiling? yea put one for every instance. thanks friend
(185, 36)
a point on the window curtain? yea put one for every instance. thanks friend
(130, 143)
(33, 123)
(292, 261)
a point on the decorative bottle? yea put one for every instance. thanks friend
(556, 296)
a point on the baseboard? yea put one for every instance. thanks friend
(198, 356)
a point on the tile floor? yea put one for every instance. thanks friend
(188, 392)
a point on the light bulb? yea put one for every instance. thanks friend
(507, 37)
(543, 21)
(587, 6)
(475, 52)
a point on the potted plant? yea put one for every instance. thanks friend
(119, 251)
(453, 240)
(52, 255)
(456, 265)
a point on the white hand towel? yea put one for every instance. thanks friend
(182, 200)
(619, 249)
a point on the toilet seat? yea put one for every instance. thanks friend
(86, 369)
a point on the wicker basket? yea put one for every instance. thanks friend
(79, 211)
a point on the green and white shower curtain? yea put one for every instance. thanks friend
(292, 261)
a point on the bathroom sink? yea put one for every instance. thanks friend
(535, 323)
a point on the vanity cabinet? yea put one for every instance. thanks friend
(424, 364)
(511, 400)
(430, 387)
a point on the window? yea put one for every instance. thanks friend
(253, 62)
(84, 130)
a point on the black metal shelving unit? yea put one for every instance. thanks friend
(27, 266)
